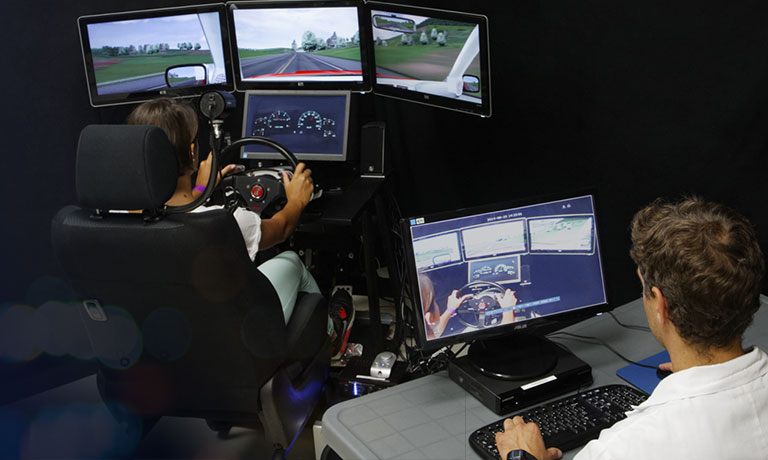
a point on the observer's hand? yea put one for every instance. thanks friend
(520, 435)
(299, 188)
(666, 367)
(454, 301)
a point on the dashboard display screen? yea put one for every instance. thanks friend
(312, 125)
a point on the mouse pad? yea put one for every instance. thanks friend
(642, 377)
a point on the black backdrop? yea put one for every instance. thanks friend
(641, 98)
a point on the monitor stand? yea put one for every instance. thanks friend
(553, 371)
(516, 356)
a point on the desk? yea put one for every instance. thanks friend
(344, 207)
(432, 417)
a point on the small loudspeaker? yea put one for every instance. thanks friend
(373, 161)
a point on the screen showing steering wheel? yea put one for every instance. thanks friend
(494, 268)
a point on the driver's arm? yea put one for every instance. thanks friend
(506, 301)
(204, 172)
(298, 191)
(452, 304)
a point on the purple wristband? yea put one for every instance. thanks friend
(199, 188)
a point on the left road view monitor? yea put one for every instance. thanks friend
(137, 55)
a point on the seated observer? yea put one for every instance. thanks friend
(701, 271)
(285, 271)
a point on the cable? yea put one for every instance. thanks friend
(629, 326)
(603, 343)
(463, 346)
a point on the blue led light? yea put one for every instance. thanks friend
(357, 389)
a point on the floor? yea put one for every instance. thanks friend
(71, 422)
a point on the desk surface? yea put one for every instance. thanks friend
(432, 417)
(343, 207)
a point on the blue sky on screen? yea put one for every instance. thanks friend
(265, 28)
(169, 29)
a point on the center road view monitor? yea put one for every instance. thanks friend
(299, 45)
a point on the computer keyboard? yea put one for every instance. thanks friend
(567, 422)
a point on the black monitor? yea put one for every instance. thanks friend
(299, 45)
(545, 251)
(431, 56)
(313, 125)
(138, 55)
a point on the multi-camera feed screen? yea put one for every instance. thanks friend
(561, 234)
(493, 268)
(427, 54)
(133, 55)
(491, 240)
(308, 125)
(437, 250)
(298, 44)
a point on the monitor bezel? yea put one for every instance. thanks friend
(482, 109)
(362, 86)
(538, 326)
(301, 156)
(100, 100)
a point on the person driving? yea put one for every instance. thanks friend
(701, 271)
(437, 322)
(285, 271)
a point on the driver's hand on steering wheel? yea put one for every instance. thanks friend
(204, 171)
(299, 188)
(453, 302)
(507, 300)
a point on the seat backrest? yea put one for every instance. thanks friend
(189, 317)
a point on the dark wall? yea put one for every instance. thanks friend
(639, 98)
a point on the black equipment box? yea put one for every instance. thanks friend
(505, 396)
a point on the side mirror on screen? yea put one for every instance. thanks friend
(471, 84)
(181, 76)
(394, 23)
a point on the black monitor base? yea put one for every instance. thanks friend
(517, 356)
(504, 396)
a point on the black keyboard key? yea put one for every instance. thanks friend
(568, 422)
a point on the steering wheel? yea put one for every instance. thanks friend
(260, 190)
(482, 309)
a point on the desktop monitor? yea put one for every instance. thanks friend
(313, 125)
(533, 266)
(138, 55)
(299, 45)
(431, 56)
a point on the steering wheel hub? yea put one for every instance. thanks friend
(482, 308)
(257, 192)
(260, 190)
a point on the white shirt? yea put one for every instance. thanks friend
(705, 412)
(249, 223)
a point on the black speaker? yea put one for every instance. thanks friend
(373, 160)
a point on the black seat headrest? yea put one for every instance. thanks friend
(124, 167)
